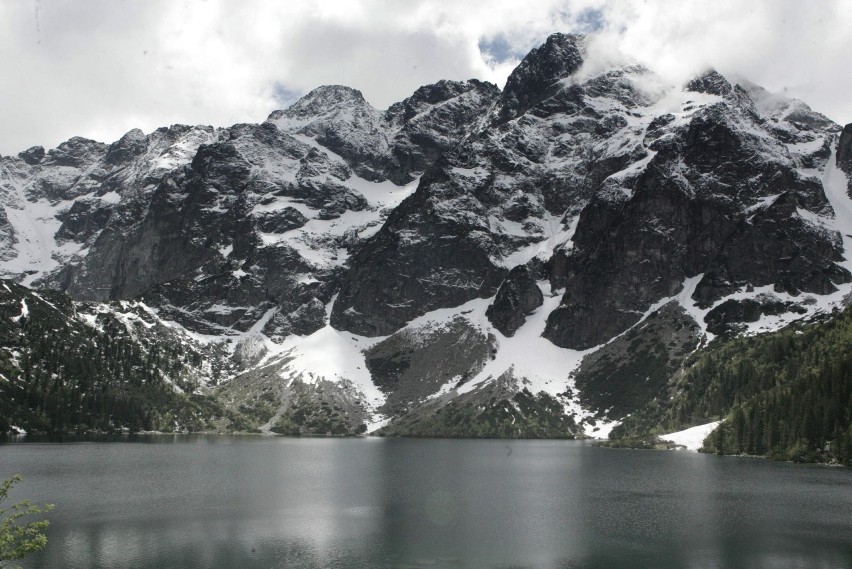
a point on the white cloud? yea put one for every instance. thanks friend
(98, 68)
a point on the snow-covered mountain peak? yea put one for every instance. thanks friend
(321, 101)
(428, 96)
(33, 155)
(127, 147)
(530, 82)
(711, 82)
(325, 108)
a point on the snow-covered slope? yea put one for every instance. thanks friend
(693, 437)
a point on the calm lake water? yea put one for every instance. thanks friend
(251, 502)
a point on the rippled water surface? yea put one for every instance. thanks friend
(251, 502)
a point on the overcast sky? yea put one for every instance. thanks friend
(98, 68)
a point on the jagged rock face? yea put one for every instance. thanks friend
(416, 363)
(131, 145)
(518, 296)
(727, 317)
(58, 203)
(209, 240)
(341, 120)
(535, 77)
(655, 198)
(712, 83)
(844, 148)
(635, 368)
(394, 144)
(435, 118)
(218, 226)
(32, 156)
(844, 154)
(720, 197)
(496, 201)
(427, 255)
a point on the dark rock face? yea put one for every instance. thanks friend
(342, 121)
(844, 154)
(76, 152)
(689, 204)
(415, 363)
(726, 318)
(32, 156)
(634, 369)
(307, 318)
(127, 148)
(482, 205)
(446, 260)
(435, 118)
(83, 220)
(286, 220)
(395, 144)
(534, 78)
(711, 83)
(518, 296)
(844, 147)
(219, 226)
(689, 213)
(200, 243)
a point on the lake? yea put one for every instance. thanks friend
(267, 502)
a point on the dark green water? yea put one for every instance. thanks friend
(250, 502)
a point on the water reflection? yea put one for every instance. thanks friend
(496, 509)
(275, 502)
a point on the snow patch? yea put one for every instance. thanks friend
(762, 203)
(331, 355)
(692, 438)
(558, 232)
(35, 225)
(317, 241)
(111, 197)
(835, 184)
(25, 311)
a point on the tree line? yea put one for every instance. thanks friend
(785, 394)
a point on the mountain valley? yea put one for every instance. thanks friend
(570, 256)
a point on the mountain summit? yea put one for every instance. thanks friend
(537, 76)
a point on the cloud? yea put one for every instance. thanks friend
(790, 47)
(99, 68)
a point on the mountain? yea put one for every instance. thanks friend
(783, 394)
(67, 366)
(536, 261)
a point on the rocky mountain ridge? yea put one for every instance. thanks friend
(565, 238)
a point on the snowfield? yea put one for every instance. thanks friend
(692, 438)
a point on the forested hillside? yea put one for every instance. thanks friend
(785, 395)
(60, 374)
